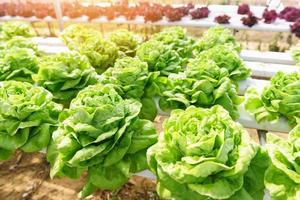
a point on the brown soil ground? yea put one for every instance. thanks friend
(26, 176)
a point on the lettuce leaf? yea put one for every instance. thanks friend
(101, 133)
(18, 64)
(89, 42)
(177, 39)
(28, 116)
(204, 154)
(159, 57)
(126, 41)
(11, 29)
(282, 178)
(64, 75)
(203, 84)
(225, 57)
(214, 36)
(280, 99)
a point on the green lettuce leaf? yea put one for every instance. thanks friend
(214, 36)
(18, 64)
(89, 42)
(11, 29)
(282, 178)
(159, 57)
(280, 99)
(101, 133)
(28, 116)
(126, 41)
(177, 39)
(225, 57)
(64, 75)
(203, 84)
(204, 154)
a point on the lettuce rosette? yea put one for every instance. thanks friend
(101, 133)
(159, 57)
(89, 42)
(296, 53)
(280, 99)
(64, 75)
(204, 154)
(215, 36)
(28, 116)
(203, 84)
(177, 39)
(130, 78)
(11, 29)
(126, 41)
(282, 178)
(129, 75)
(225, 57)
(22, 42)
(18, 64)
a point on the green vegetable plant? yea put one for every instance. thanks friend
(203, 84)
(89, 42)
(130, 75)
(126, 41)
(204, 154)
(28, 116)
(23, 42)
(214, 36)
(64, 75)
(159, 57)
(225, 57)
(280, 99)
(282, 178)
(177, 39)
(18, 64)
(131, 78)
(101, 133)
(296, 53)
(11, 29)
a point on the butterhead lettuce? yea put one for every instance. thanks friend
(282, 178)
(89, 42)
(159, 57)
(64, 75)
(28, 116)
(204, 154)
(18, 64)
(280, 99)
(101, 133)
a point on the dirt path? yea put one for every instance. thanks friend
(26, 176)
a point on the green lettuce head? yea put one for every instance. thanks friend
(203, 84)
(101, 133)
(225, 57)
(217, 35)
(126, 41)
(89, 42)
(177, 39)
(131, 78)
(9, 30)
(280, 99)
(76, 34)
(160, 57)
(130, 75)
(296, 53)
(65, 74)
(204, 154)
(22, 42)
(282, 178)
(28, 116)
(18, 64)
